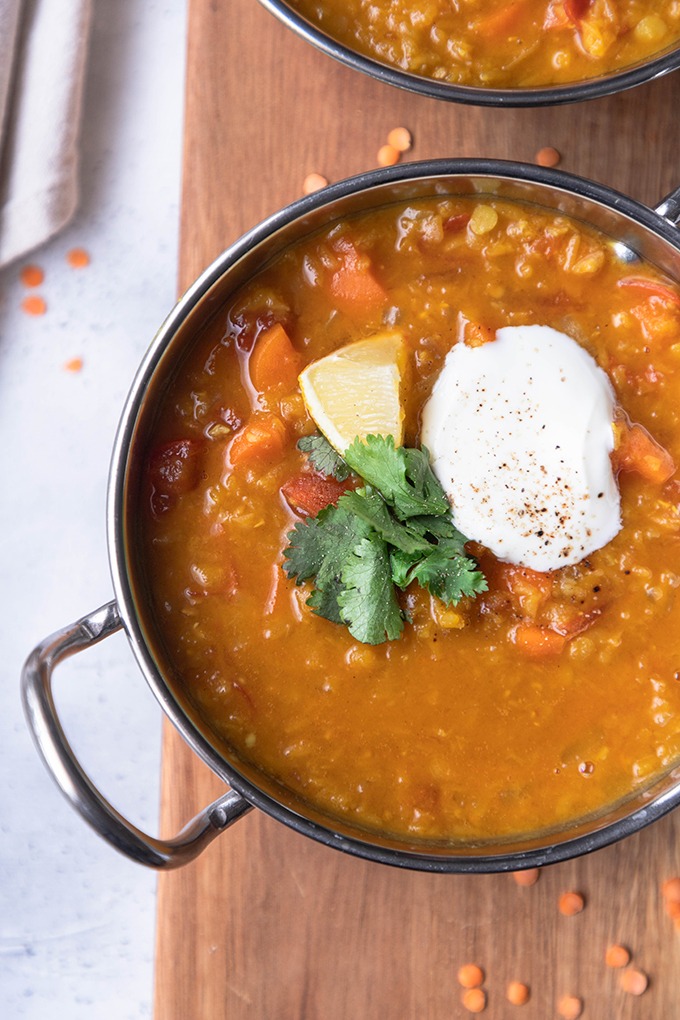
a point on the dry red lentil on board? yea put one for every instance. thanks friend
(78, 258)
(474, 1000)
(528, 877)
(33, 304)
(470, 975)
(571, 903)
(32, 275)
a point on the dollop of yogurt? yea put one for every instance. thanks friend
(520, 432)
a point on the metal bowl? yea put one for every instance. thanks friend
(549, 95)
(652, 234)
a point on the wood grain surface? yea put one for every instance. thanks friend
(268, 925)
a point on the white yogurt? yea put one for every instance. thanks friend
(520, 432)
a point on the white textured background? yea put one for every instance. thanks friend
(76, 918)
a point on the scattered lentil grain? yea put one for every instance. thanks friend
(31, 276)
(527, 877)
(517, 993)
(633, 981)
(547, 156)
(671, 890)
(571, 903)
(474, 1000)
(617, 956)
(74, 365)
(388, 155)
(400, 139)
(313, 182)
(470, 975)
(672, 909)
(78, 258)
(570, 1007)
(33, 304)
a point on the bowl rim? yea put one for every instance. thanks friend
(443, 860)
(547, 95)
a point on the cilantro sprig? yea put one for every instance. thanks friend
(392, 531)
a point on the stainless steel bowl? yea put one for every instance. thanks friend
(549, 95)
(652, 234)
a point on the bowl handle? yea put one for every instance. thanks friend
(669, 207)
(41, 713)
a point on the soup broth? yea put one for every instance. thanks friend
(546, 698)
(494, 44)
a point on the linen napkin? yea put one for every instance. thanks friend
(43, 47)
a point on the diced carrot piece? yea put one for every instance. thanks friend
(538, 642)
(354, 284)
(308, 493)
(274, 362)
(502, 21)
(474, 334)
(262, 438)
(556, 16)
(652, 287)
(637, 451)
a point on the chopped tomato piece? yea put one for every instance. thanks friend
(538, 642)
(639, 452)
(174, 469)
(652, 287)
(309, 493)
(354, 283)
(503, 21)
(576, 10)
(263, 437)
(566, 621)
(531, 588)
(274, 362)
(456, 223)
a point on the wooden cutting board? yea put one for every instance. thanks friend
(268, 925)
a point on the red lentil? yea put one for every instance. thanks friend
(571, 903)
(470, 975)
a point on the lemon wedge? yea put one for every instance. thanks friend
(355, 391)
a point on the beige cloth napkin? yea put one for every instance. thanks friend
(43, 46)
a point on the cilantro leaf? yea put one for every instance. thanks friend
(439, 528)
(403, 476)
(395, 530)
(319, 548)
(368, 604)
(368, 504)
(323, 457)
(306, 549)
(444, 573)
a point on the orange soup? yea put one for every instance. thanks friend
(495, 44)
(536, 699)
